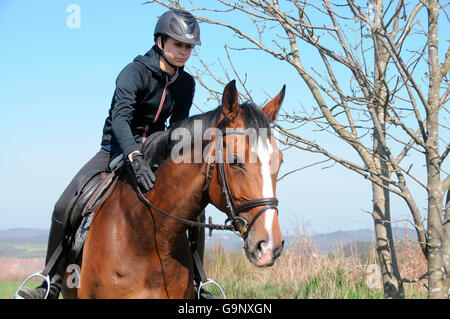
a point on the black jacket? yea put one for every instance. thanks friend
(136, 109)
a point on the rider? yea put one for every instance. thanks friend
(148, 91)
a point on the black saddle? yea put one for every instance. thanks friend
(88, 186)
(95, 189)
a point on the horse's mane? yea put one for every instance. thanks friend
(157, 149)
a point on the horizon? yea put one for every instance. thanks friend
(394, 228)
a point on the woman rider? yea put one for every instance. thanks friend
(148, 91)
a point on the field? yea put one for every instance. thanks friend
(301, 272)
(9, 288)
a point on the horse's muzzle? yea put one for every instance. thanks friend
(263, 254)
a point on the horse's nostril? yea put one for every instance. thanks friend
(260, 245)
(277, 251)
(264, 247)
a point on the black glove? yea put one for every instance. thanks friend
(143, 173)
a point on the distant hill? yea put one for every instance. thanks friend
(34, 235)
(339, 239)
(29, 242)
(23, 242)
(356, 240)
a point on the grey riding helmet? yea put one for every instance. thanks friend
(180, 25)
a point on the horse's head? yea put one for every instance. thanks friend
(247, 162)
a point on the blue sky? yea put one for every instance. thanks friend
(56, 86)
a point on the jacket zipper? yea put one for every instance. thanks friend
(144, 136)
(161, 103)
(163, 97)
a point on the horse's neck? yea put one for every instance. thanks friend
(178, 191)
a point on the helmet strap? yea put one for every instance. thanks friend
(161, 53)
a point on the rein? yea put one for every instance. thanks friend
(209, 225)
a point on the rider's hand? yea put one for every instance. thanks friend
(143, 173)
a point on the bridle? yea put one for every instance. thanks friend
(237, 223)
(232, 209)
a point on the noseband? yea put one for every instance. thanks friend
(233, 209)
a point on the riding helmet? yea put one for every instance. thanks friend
(180, 25)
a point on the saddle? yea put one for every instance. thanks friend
(93, 190)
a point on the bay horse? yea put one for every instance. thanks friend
(132, 251)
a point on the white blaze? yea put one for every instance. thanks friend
(264, 152)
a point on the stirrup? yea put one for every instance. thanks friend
(38, 274)
(207, 282)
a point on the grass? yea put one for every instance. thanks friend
(330, 280)
(9, 288)
(303, 273)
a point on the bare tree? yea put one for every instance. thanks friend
(381, 109)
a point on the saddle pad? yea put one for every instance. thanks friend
(80, 236)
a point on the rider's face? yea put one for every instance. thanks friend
(177, 52)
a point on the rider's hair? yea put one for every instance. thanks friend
(163, 38)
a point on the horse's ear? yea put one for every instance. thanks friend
(271, 109)
(230, 105)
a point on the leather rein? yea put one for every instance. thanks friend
(237, 223)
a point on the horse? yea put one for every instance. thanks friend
(132, 250)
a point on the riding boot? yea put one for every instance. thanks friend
(56, 275)
(197, 237)
(39, 292)
(200, 236)
(197, 243)
(56, 235)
